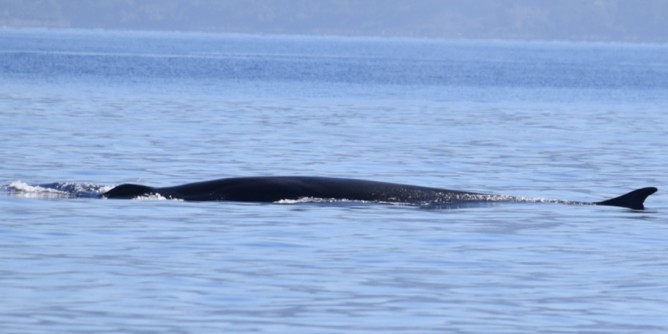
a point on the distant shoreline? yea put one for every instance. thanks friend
(584, 21)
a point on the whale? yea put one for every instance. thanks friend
(268, 189)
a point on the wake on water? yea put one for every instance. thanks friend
(55, 190)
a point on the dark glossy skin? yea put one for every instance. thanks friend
(276, 188)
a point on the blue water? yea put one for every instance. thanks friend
(87, 110)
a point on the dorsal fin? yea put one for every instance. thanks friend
(128, 191)
(633, 200)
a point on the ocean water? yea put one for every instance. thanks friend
(82, 111)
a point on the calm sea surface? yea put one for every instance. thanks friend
(83, 111)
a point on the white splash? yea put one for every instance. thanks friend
(55, 190)
(156, 197)
(22, 189)
(319, 200)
